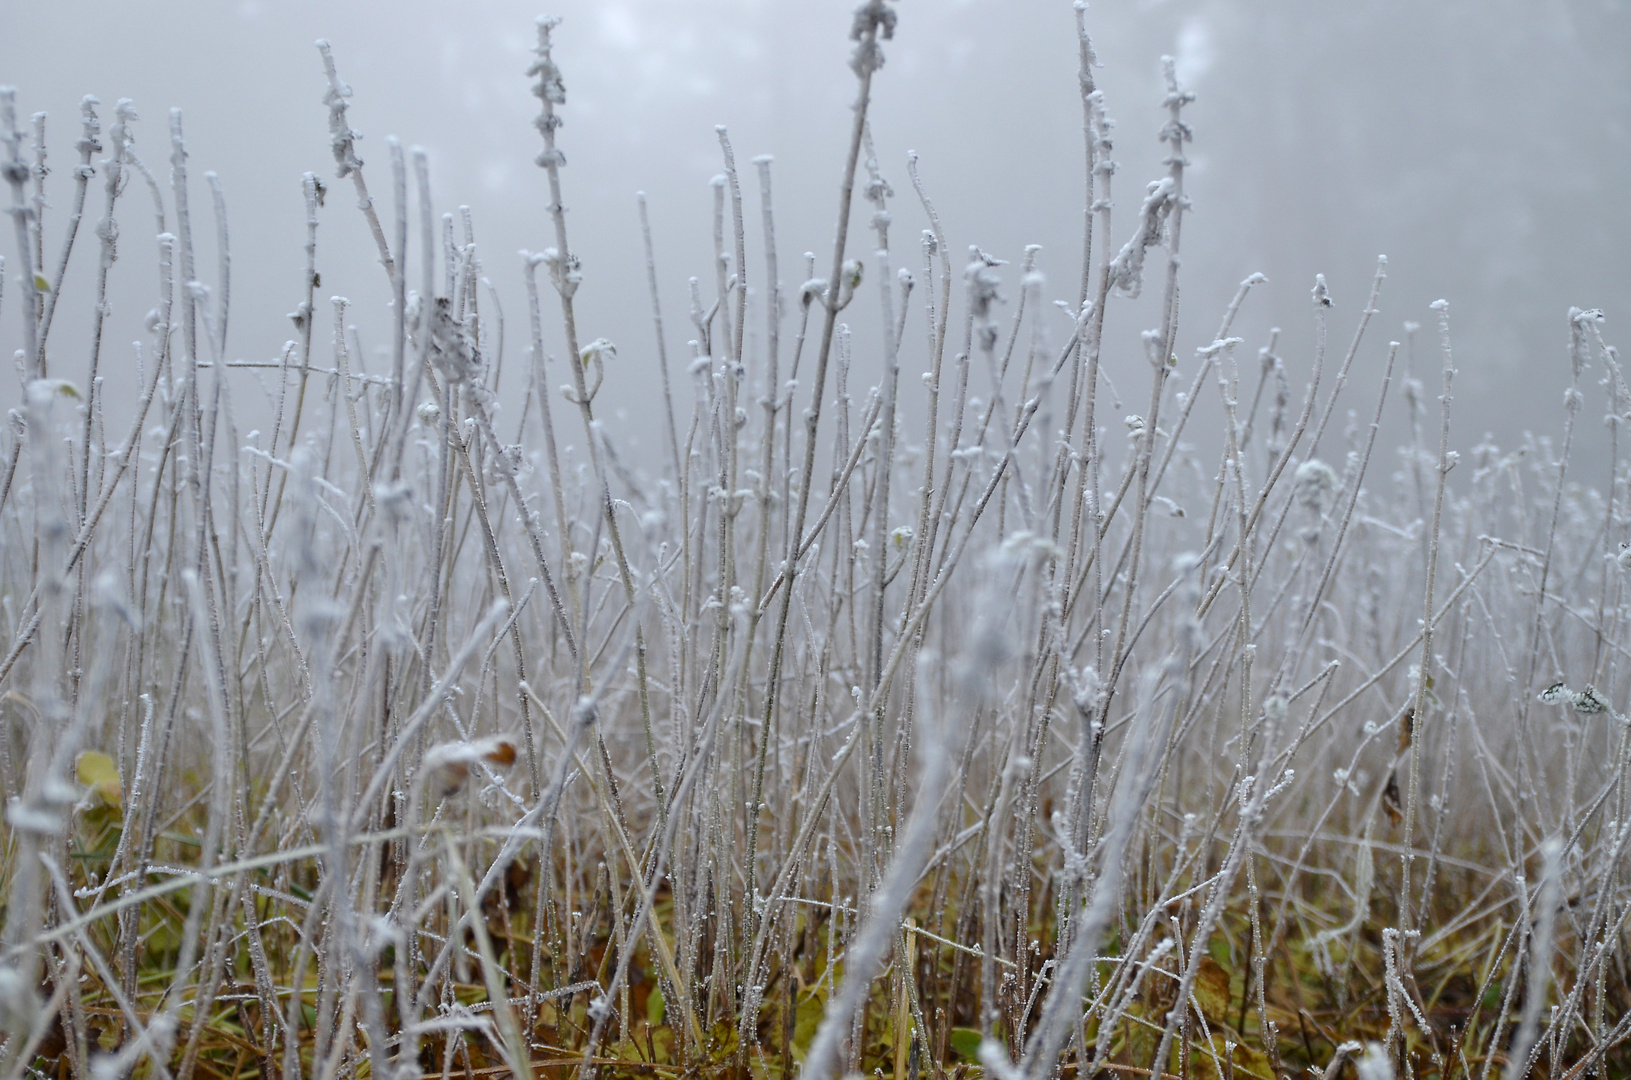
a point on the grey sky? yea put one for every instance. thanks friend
(1482, 146)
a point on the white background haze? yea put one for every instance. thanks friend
(1483, 146)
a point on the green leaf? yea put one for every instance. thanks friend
(654, 1006)
(966, 1042)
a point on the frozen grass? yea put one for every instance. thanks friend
(1031, 742)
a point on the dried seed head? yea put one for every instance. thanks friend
(452, 351)
(1588, 701)
(1313, 484)
(447, 767)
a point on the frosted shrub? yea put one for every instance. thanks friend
(863, 727)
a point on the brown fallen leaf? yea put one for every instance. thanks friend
(1391, 801)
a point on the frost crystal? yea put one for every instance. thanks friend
(1127, 269)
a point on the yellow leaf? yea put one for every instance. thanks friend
(1230, 1059)
(1143, 1035)
(40, 284)
(722, 1038)
(1212, 991)
(807, 1019)
(98, 772)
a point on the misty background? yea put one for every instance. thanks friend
(1482, 145)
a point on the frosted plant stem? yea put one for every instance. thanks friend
(512, 1042)
(395, 417)
(107, 232)
(1288, 666)
(1282, 456)
(343, 141)
(1341, 378)
(871, 944)
(1087, 498)
(1061, 1009)
(40, 816)
(88, 144)
(657, 325)
(934, 243)
(261, 772)
(872, 19)
(16, 172)
(1158, 349)
(302, 317)
(1253, 799)
(1418, 712)
(1525, 1050)
(427, 241)
(764, 488)
(552, 456)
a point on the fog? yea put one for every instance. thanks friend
(1482, 146)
